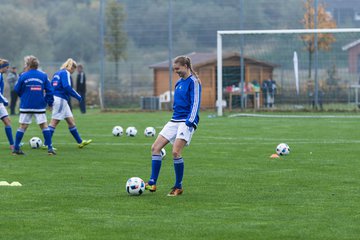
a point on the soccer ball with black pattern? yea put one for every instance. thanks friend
(149, 132)
(135, 186)
(117, 131)
(35, 142)
(131, 131)
(283, 149)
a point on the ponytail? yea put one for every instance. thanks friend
(185, 60)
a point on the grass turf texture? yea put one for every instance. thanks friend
(232, 189)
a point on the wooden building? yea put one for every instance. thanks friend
(353, 49)
(205, 65)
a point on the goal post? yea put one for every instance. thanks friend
(257, 35)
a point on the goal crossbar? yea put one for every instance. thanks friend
(220, 33)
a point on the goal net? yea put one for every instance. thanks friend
(304, 77)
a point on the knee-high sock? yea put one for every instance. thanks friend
(9, 135)
(19, 135)
(47, 136)
(51, 131)
(75, 134)
(179, 171)
(155, 168)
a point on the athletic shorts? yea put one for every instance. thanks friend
(174, 130)
(3, 111)
(26, 118)
(61, 109)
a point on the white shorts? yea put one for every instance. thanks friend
(61, 109)
(173, 130)
(26, 118)
(3, 111)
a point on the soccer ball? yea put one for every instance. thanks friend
(35, 142)
(149, 132)
(135, 186)
(282, 149)
(163, 153)
(131, 132)
(117, 131)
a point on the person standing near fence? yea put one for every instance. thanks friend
(81, 87)
(12, 78)
(180, 129)
(271, 92)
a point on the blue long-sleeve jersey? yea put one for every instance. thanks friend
(35, 91)
(61, 83)
(187, 99)
(2, 98)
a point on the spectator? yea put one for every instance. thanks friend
(12, 78)
(81, 87)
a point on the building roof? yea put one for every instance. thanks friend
(201, 59)
(350, 45)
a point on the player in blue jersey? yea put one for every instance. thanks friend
(61, 83)
(180, 129)
(4, 116)
(35, 92)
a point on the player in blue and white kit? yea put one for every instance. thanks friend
(63, 90)
(181, 127)
(4, 116)
(35, 92)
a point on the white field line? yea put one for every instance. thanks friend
(291, 116)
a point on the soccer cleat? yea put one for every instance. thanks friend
(18, 152)
(151, 188)
(45, 147)
(51, 152)
(175, 192)
(84, 143)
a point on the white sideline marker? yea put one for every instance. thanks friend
(4, 183)
(13, 184)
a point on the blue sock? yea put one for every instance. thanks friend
(75, 134)
(9, 135)
(19, 135)
(155, 168)
(179, 171)
(47, 136)
(51, 131)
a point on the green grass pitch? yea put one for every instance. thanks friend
(232, 189)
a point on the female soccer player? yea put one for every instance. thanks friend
(63, 90)
(35, 92)
(4, 115)
(181, 127)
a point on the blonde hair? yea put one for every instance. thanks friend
(68, 64)
(3, 63)
(31, 62)
(186, 61)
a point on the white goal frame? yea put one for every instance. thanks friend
(248, 32)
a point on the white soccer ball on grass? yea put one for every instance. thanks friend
(35, 142)
(135, 186)
(131, 131)
(149, 132)
(117, 131)
(282, 149)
